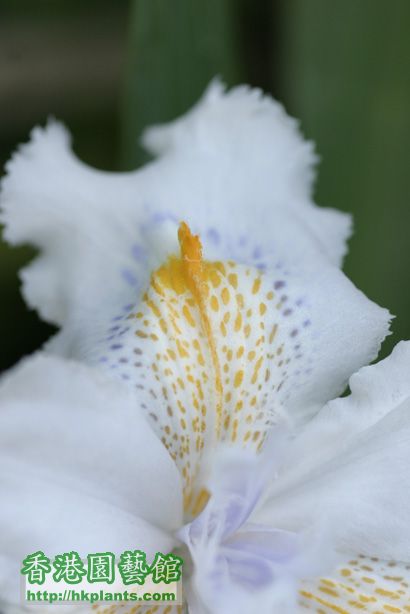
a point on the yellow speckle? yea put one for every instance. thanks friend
(256, 285)
(238, 378)
(214, 303)
(225, 296)
(233, 280)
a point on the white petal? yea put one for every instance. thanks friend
(247, 164)
(237, 170)
(79, 469)
(350, 470)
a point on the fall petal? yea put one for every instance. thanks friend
(348, 470)
(361, 584)
(220, 351)
(80, 469)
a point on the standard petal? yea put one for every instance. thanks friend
(79, 469)
(235, 167)
(244, 154)
(349, 471)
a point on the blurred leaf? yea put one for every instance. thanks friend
(176, 48)
(346, 75)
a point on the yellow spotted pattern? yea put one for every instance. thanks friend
(210, 358)
(363, 585)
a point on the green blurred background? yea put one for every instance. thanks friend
(109, 67)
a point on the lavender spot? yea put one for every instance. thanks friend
(129, 277)
(116, 346)
(160, 217)
(279, 284)
(138, 252)
(257, 253)
(213, 235)
(261, 266)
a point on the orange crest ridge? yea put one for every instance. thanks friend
(191, 255)
(195, 275)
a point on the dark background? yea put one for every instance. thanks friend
(109, 67)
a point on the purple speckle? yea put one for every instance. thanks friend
(306, 323)
(116, 346)
(279, 284)
(213, 236)
(166, 216)
(257, 253)
(129, 277)
(103, 359)
(287, 312)
(138, 252)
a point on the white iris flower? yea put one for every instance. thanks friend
(187, 403)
